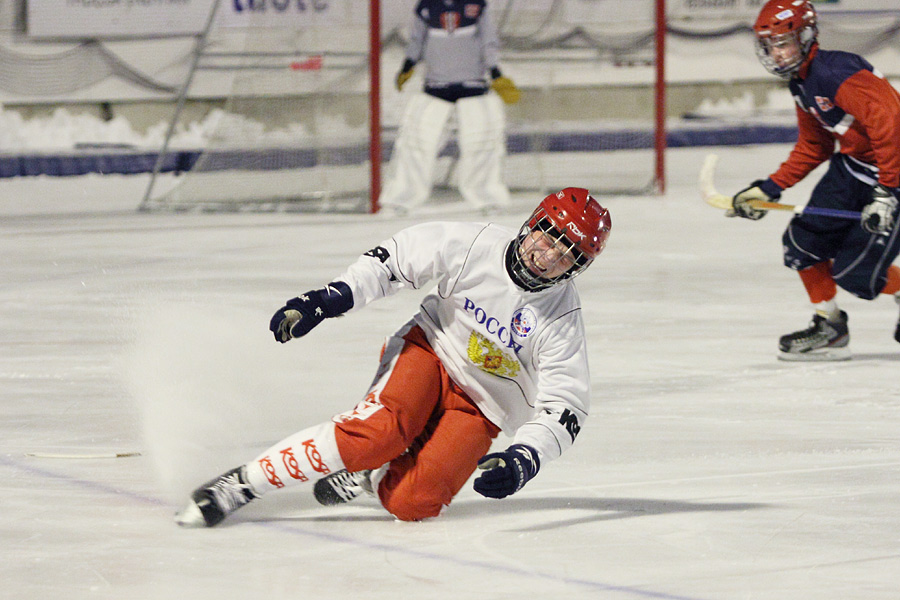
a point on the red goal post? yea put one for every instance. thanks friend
(311, 113)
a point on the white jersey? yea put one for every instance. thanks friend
(520, 356)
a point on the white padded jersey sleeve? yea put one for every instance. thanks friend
(563, 397)
(410, 258)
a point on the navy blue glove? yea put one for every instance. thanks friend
(299, 316)
(505, 473)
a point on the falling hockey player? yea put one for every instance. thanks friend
(841, 97)
(498, 345)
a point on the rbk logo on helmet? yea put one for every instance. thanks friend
(574, 229)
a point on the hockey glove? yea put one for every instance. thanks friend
(505, 473)
(506, 89)
(740, 206)
(405, 73)
(299, 316)
(878, 215)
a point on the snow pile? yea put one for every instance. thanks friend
(778, 102)
(63, 130)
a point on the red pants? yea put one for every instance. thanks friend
(419, 421)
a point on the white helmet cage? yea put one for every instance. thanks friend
(566, 249)
(804, 40)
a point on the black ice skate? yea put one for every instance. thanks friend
(216, 499)
(343, 486)
(897, 331)
(822, 340)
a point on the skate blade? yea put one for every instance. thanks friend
(190, 516)
(819, 355)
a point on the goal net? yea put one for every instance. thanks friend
(299, 125)
(293, 130)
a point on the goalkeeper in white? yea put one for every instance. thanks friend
(458, 44)
(498, 345)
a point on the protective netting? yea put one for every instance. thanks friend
(558, 30)
(294, 126)
(294, 130)
(67, 71)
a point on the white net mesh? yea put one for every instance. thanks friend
(294, 134)
(293, 131)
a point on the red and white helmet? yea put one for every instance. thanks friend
(576, 222)
(783, 22)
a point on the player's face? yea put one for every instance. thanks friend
(784, 50)
(545, 256)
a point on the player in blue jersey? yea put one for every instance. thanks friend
(840, 98)
(458, 43)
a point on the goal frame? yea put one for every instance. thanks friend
(375, 141)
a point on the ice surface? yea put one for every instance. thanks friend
(708, 469)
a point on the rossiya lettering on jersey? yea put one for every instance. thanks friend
(521, 325)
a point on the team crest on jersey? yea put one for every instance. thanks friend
(824, 103)
(472, 11)
(450, 21)
(488, 357)
(523, 322)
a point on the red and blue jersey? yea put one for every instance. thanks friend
(841, 97)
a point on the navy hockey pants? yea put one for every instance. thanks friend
(860, 259)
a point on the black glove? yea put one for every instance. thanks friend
(740, 206)
(878, 215)
(299, 316)
(505, 473)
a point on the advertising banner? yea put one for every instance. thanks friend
(747, 10)
(80, 19)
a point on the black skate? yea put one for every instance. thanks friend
(343, 486)
(897, 331)
(216, 499)
(822, 340)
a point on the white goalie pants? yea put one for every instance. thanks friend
(481, 129)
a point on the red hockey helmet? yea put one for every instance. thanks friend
(784, 23)
(578, 225)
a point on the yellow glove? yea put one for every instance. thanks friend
(403, 77)
(506, 89)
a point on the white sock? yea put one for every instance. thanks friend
(828, 309)
(305, 456)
